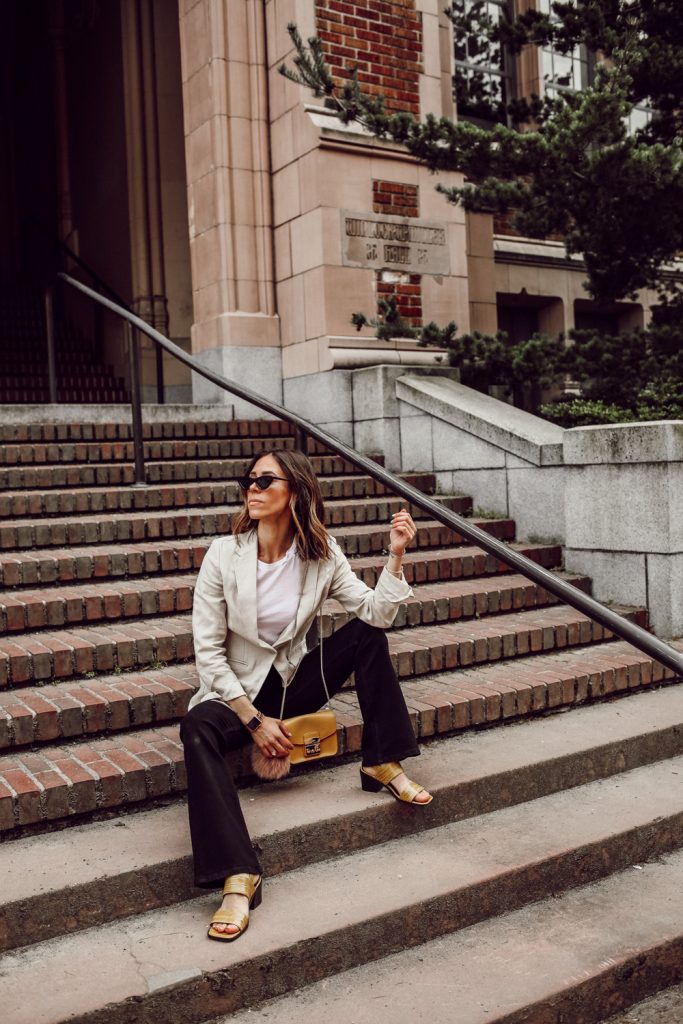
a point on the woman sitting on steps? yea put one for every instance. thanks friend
(257, 595)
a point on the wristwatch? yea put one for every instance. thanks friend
(255, 723)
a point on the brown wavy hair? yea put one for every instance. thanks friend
(306, 505)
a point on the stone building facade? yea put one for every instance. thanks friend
(158, 140)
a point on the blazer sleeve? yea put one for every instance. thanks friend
(378, 607)
(210, 629)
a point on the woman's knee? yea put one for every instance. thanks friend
(204, 725)
(372, 635)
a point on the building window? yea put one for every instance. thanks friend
(639, 118)
(483, 80)
(563, 71)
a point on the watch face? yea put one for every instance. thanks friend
(254, 724)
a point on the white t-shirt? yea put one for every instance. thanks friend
(277, 594)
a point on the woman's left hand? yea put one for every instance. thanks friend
(403, 530)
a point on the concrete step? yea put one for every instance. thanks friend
(665, 1007)
(209, 520)
(130, 756)
(168, 470)
(574, 956)
(113, 600)
(393, 897)
(138, 862)
(26, 658)
(119, 559)
(171, 494)
(36, 432)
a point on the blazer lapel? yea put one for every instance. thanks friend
(245, 558)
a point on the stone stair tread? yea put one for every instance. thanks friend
(421, 884)
(597, 935)
(556, 752)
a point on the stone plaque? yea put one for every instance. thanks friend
(394, 243)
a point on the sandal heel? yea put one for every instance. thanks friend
(256, 898)
(368, 784)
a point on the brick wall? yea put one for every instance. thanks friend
(382, 38)
(396, 199)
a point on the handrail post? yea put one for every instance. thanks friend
(136, 407)
(160, 374)
(50, 338)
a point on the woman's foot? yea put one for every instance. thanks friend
(400, 783)
(237, 905)
(241, 893)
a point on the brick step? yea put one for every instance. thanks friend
(31, 657)
(80, 396)
(118, 600)
(24, 453)
(175, 495)
(439, 703)
(34, 359)
(76, 377)
(110, 431)
(453, 563)
(99, 474)
(26, 568)
(123, 451)
(194, 522)
(48, 607)
(161, 966)
(311, 816)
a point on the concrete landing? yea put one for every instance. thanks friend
(565, 959)
(332, 916)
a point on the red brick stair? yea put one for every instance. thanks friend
(95, 631)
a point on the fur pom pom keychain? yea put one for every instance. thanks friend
(269, 768)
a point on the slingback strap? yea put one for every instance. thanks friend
(385, 773)
(241, 885)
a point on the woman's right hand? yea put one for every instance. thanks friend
(272, 738)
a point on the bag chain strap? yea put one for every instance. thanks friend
(285, 686)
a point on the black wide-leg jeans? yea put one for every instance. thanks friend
(220, 841)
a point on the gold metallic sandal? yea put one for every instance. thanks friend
(241, 885)
(383, 779)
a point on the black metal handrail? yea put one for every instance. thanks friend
(102, 287)
(622, 627)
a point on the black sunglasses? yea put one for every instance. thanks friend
(262, 482)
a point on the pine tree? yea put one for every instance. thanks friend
(567, 164)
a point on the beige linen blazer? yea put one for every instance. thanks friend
(231, 658)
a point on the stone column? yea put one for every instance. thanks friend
(142, 155)
(236, 330)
